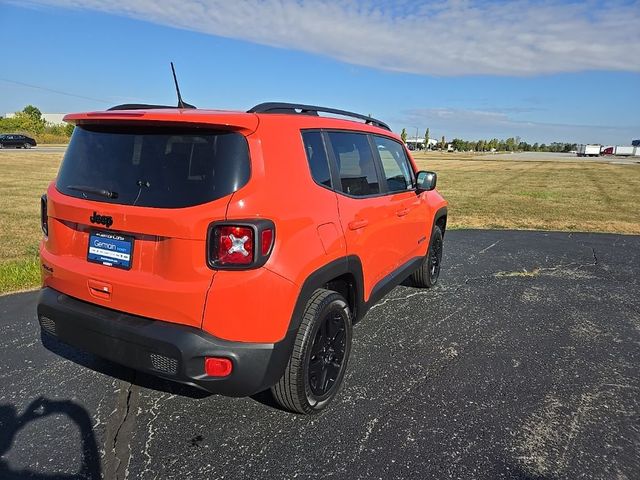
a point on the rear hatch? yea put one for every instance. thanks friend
(129, 214)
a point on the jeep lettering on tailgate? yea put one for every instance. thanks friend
(101, 219)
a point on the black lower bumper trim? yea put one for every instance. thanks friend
(171, 351)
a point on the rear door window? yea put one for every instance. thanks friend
(395, 165)
(317, 157)
(164, 167)
(355, 162)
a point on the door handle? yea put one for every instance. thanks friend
(403, 212)
(355, 225)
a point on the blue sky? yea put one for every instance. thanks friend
(542, 70)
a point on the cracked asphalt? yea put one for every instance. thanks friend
(524, 362)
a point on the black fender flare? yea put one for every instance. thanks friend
(440, 213)
(348, 265)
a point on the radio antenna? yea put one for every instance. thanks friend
(181, 103)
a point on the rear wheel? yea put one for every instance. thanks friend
(317, 365)
(427, 275)
(27, 145)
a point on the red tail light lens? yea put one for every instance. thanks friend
(218, 366)
(266, 241)
(240, 244)
(234, 245)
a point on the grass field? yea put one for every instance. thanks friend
(483, 192)
(488, 192)
(24, 177)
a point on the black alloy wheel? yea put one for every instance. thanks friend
(327, 355)
(313, 376)
(435, 257)
(426, 276)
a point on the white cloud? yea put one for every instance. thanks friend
(451, 37)
(482, 124)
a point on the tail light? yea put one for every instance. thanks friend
(44, 218)
(240, 245)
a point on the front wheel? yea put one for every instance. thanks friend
(427, 275)
(314, 374)
(27, 145)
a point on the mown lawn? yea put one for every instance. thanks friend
(483, 192)
(24, 176)
(488, 192)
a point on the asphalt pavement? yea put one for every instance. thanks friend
(39, 149)
(523, 362)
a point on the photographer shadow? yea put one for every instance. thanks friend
(12, 423)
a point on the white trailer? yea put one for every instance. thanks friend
(588, 150)
(636, 151)
(623, 150)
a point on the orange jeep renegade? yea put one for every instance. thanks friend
(232, 251)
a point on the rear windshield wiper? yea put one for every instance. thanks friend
(98, 191)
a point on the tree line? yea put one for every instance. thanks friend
(511, 144)
(30, 122)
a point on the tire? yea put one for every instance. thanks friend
(313, 376)
(27, 145)
(427, 275)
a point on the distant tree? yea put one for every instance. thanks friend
(458, 144)
(442, 143)
(33, 112)
(68, 129)
(426, 139)
(403, 135)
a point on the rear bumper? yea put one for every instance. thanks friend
(167, 350)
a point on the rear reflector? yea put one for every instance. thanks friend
(217, 366)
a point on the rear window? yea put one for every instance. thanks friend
(163, 167)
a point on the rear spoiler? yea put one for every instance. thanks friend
(246, 123)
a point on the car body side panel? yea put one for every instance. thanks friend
(281, 190)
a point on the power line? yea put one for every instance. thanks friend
(59, 92)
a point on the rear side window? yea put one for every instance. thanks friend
(395, 164)
(317, 157)
(356, 166)
(164, 167)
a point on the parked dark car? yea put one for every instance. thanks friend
(16, 141)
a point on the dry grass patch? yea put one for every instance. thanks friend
(24, 177)
(538, 195)
(482, 192)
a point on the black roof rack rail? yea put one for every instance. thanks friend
(144, 106)
(296, 108)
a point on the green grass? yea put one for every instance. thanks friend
(24, 177)
(17, 275)
(483, 192)
(488, 192)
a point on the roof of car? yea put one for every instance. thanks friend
(308, 115)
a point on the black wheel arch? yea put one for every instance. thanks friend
(440, 219)
(343, 275)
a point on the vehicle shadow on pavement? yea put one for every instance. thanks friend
(11, 424)
(120, 372)
(140, 379)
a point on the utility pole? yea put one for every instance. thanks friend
(416, 137)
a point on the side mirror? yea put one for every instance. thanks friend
(426, 181)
